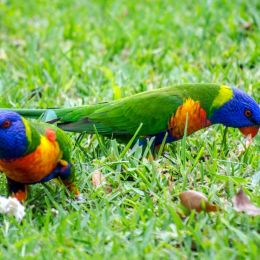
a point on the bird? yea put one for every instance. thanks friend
(169, 112)
(33, 152)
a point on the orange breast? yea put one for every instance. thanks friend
(34, 166)
(196, 115)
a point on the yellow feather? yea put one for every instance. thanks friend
(224, 95)
(27, 130)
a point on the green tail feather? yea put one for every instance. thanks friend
(31, 113)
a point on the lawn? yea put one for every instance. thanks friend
(67, 53)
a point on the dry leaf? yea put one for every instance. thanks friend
(242, 203)
(247, 26)
(247, 142)
(98, 179)
(196, 200)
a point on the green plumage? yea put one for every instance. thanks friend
(121, 118)
(34, 140)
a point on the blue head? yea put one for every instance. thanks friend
(240, 111)
(13, 140)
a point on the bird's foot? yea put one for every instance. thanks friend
(20, 195)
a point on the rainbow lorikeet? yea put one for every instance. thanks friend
(162, 111)
(33, 152)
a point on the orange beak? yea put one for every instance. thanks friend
(249, 130)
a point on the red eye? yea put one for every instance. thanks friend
(248, 113)
(6, 124)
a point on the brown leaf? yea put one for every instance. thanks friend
(196, 200)
(242, 203)
(246, 143)
(247, 26)
(99, 179)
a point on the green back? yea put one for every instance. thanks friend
(152, 108)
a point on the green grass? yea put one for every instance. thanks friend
(64, 53)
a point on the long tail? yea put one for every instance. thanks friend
(74, 119)
(31, 113)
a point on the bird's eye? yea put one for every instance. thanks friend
(248, 113)
(6, 124)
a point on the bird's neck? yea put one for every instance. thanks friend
(32, 135)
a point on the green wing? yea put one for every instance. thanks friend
(152, 109)
(123, 117)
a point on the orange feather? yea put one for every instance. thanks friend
(197, 119)
(34, 166)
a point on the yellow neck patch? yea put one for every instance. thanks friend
(27, 130)
(224, 95)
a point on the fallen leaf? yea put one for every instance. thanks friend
(196, 200)
(242, 203)
(99, 179)
(246, 143)
(247, 26)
